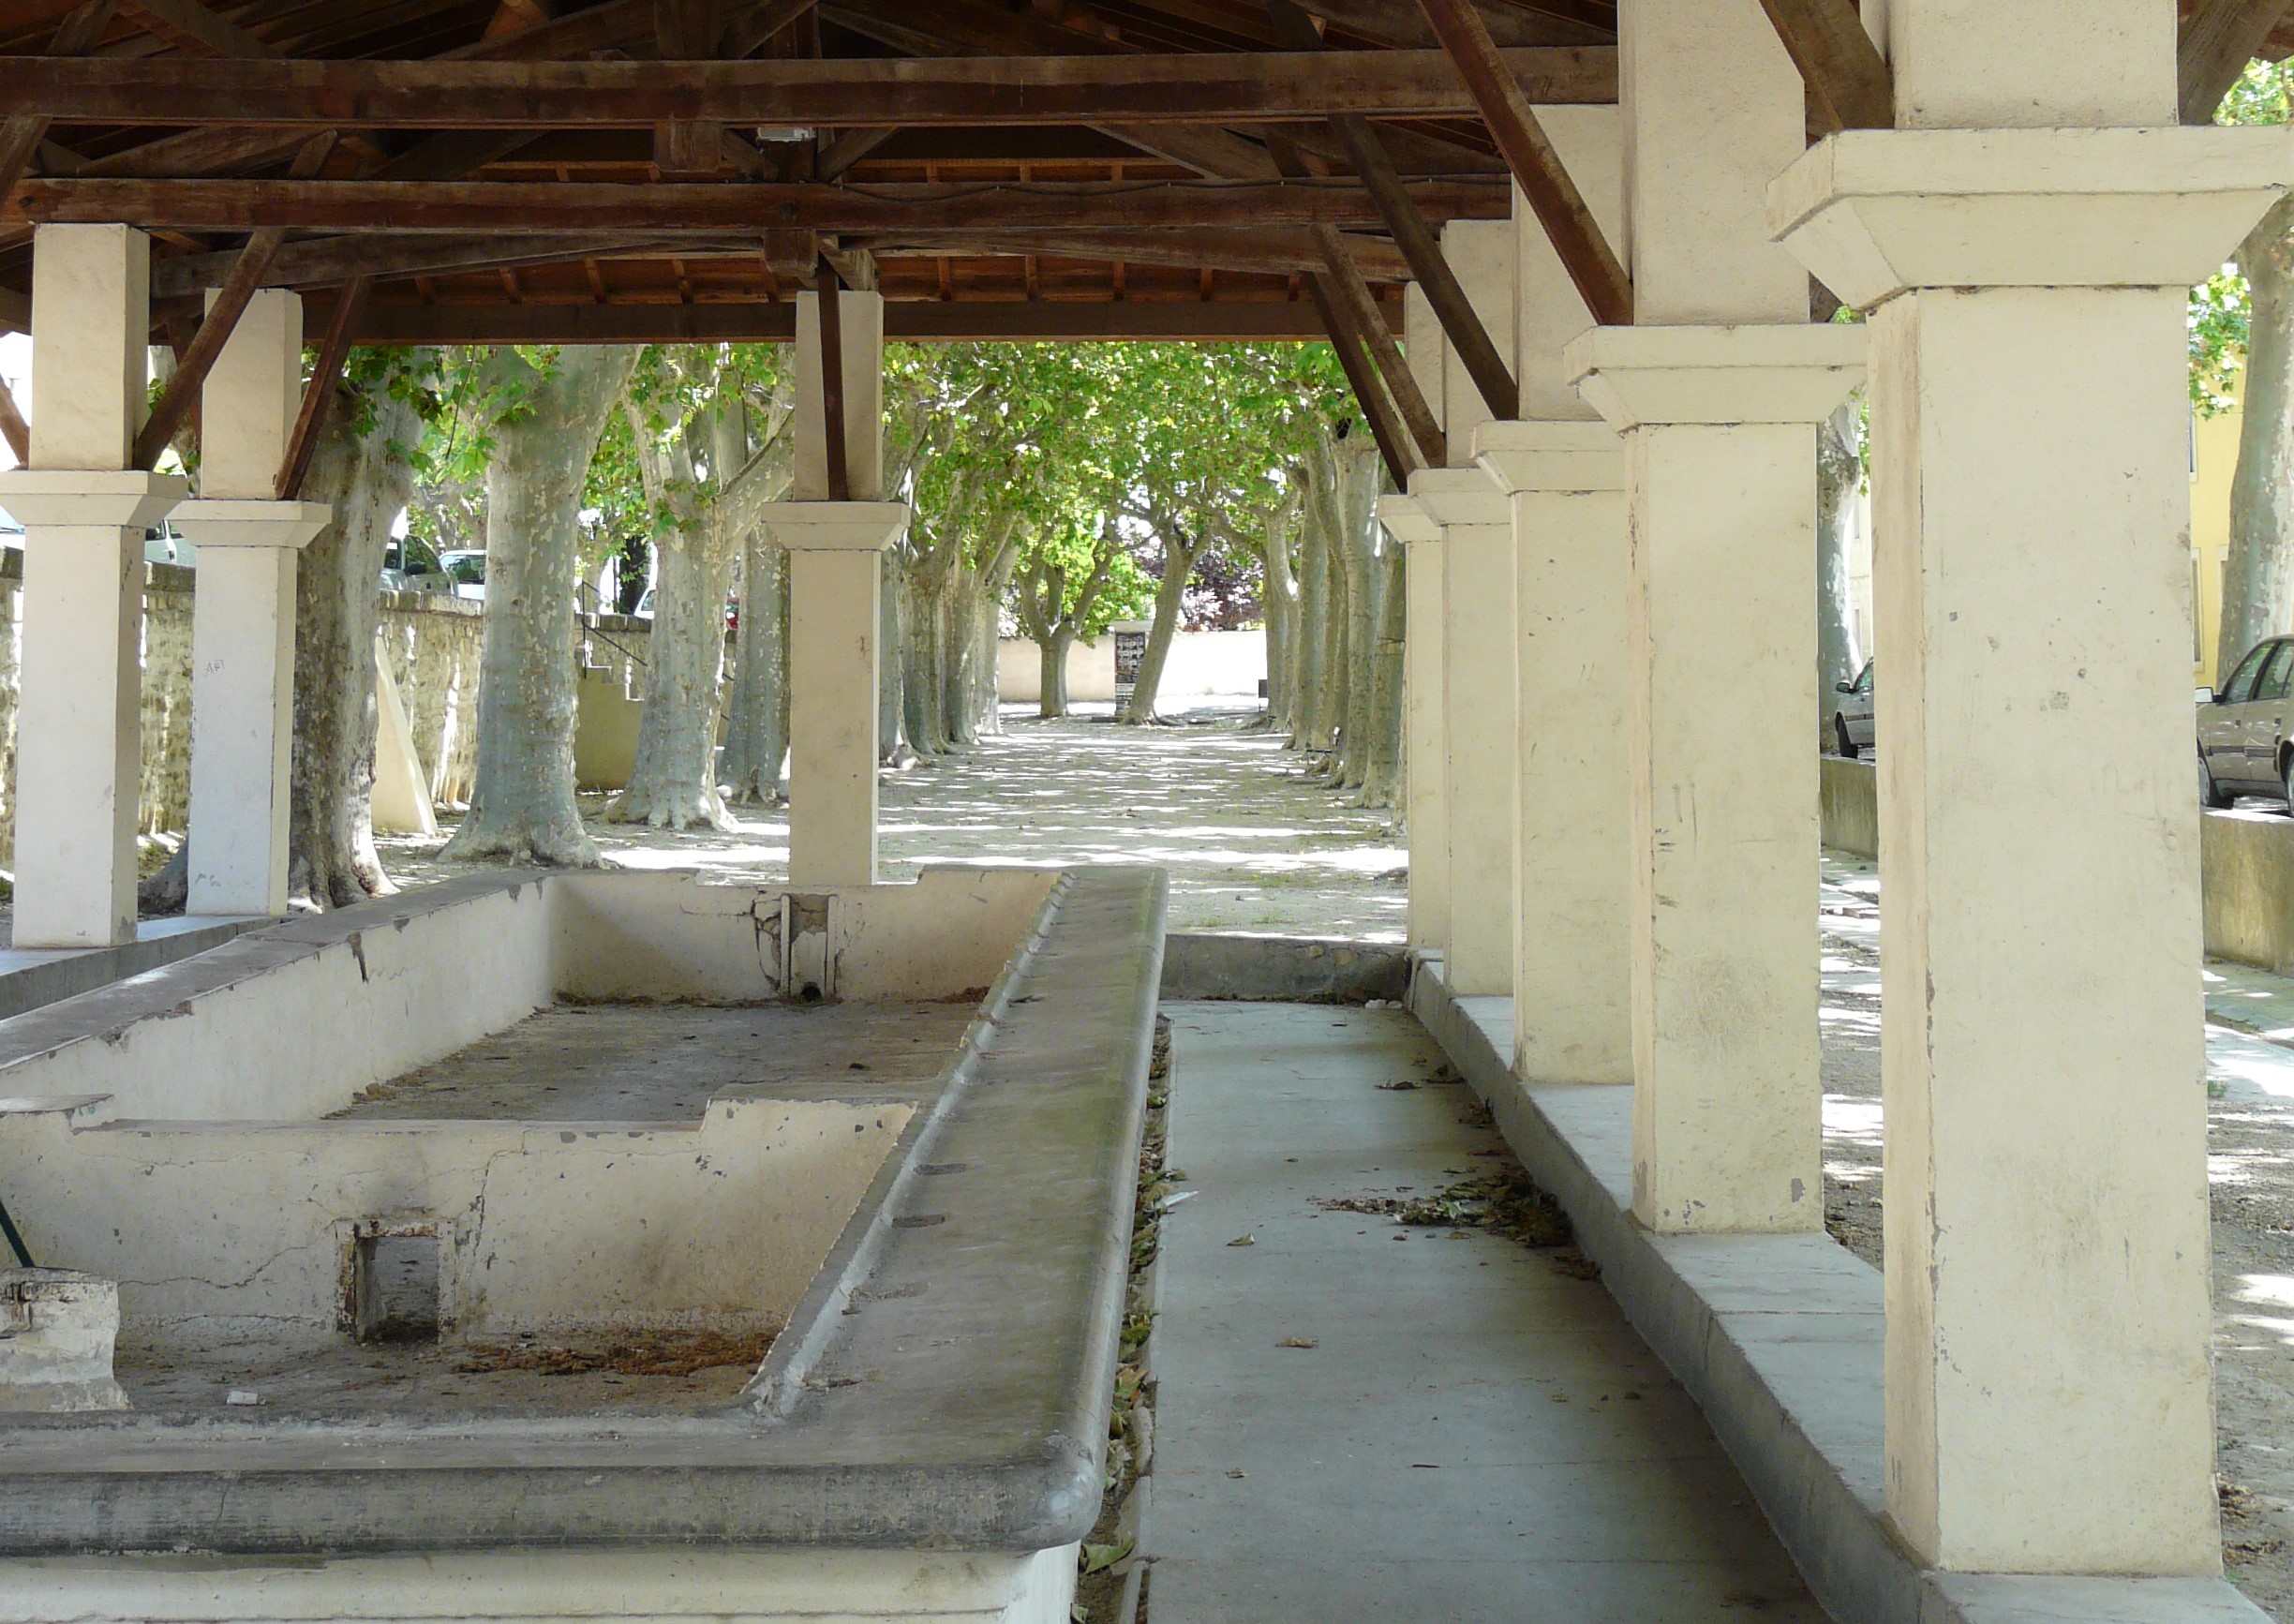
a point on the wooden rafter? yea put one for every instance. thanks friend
(1216, 88)
(189, 20)
(13, 428)
(710, 209)
(20, 132)
(1366, 323)
(1264, 251)
(198, 358)
(1378, 407)
(2217, 41)
(1460, 322)
(1847, 78)
(318, 394)
(1600, 276)
(828, 301)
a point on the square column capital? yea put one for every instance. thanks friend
(1874, 212)
(1640, 377)
(251, 524)
(1551, 456)
(117, 499)
(1460, 496)
(1407, 522)
(837, 527)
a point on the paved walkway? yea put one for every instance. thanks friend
(1474, 1435)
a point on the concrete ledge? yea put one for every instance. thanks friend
(31, 978)
(1849, 791)
(1778, 1339)
(1282, 969)
(2246, 877)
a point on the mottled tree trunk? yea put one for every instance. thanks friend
(1310, 699)
(2258, 587)
(1358, 468)
(1838, 473)
(673, 779)
(522, 806)
(1281, 618)
(892, 742)
(756, 737)
(923, 656)
(330, 831)
(1051, 683)
(1382, 780)
(1179, 555)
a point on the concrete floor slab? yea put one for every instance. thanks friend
(1474, 1435)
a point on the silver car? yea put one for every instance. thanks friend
(2243, 743)
(1852, 714)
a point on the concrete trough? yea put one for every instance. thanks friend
(938, 1265)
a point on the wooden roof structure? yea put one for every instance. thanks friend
(627, 170)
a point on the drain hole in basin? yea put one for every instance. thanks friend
(397, 1289)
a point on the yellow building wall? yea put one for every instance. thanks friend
(2213, 457)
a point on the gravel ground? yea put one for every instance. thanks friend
(1250, 845)
(2250, 1173)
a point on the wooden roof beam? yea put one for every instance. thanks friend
(1600, 276)
(920, 320)
(708, 208)
(1848, 80)
(1231, 87)
(2217, 41)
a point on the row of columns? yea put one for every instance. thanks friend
(1624, 749)
(85, 510)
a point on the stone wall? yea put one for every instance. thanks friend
(432, 644)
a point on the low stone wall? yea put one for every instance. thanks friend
(432, 642)
(1851, 794)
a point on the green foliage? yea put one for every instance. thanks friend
(1070, 445)
(2219, 308)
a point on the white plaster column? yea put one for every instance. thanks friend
(836, 603)
(1573, 981)
(1564, 470)
(1476, 572)
(1718, 389)
(2048, 1391)
(243, 621)
(80, 707)
(1426, 752)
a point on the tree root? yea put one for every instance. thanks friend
(518, 845)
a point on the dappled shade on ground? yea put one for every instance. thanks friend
(1249, 845)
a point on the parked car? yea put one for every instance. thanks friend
(409, 566)
(466, 570)
(1852, 714)
(2244, 747)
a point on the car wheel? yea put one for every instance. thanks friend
(1839, 733)
(2208, 793)
(2286, 781)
